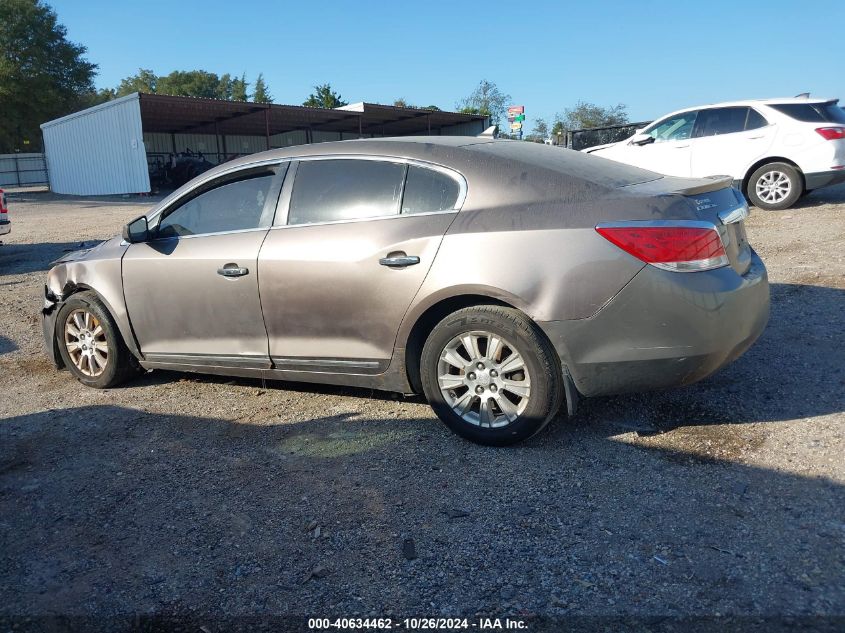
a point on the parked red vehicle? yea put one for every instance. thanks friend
(5, 222)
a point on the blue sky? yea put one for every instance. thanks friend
(652, 56)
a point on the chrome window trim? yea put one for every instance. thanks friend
(446, 171)
(369, 219)
(189, 237)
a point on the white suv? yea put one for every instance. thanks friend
(776, 150)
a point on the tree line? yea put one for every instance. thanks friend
(43, 76)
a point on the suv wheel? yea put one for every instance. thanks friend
(90, 343)
(491, 375)
(775, 186)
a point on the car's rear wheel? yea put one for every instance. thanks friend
(775, 186)
(491, 375)
(90, 343)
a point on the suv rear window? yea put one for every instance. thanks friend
(812, 112)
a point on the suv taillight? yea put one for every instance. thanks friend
(671, 247)
(831, 133)
(3, 208)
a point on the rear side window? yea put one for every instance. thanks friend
(811, 112)
(755, 120)
(429, 190)
(233, 206)
(716, 121)
(345, 189)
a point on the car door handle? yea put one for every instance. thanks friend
(399, 261)
(232, 270)
(681, 146)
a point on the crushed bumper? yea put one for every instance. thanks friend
(664, 329)
(48, 327)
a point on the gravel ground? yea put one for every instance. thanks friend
(212, 498)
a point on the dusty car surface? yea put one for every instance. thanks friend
(502, 279)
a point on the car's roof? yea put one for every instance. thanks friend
(458, 152)
(751, 102)
(400, 146)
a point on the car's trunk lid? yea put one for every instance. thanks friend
(711, 200)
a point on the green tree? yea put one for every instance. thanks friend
(540, 132)
(189, 83)
(43, 75)
(324, 97)
(486, 99)
(401, 102)
(145, 81)
(586, 115)
(261, 94)
(224, 87)
(239, 88)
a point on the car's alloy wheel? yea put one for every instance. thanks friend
(484, 379)
(90, 344)
(85, 340)
(775, 186)
(491, 375)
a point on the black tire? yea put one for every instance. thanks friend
(120, 364)
(796, 186)
(541, 362)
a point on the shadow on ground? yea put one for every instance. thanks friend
(7, 345)
(108, 510)
(19, 259)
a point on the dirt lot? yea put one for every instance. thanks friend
(214, 498)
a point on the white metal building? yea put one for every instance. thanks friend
(113, 148)
(99, 150)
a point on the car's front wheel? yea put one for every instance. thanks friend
(775, 186)
(90, 343)
(491, 375)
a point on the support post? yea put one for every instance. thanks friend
(267, 126)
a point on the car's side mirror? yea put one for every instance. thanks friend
(137, 230)
(642, 139)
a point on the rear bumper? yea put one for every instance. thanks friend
(664, 329)
(824, 178)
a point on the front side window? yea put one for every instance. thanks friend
(717, 121)
(673, 128)
(345, 189)
(428, 190)
(233, 206)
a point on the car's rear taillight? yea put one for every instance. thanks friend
(3, 208)
(831, 133)
(671, 246)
